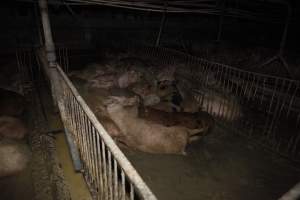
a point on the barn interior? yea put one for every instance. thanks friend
(170, 100)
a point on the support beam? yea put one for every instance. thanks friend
(50, 52)
(49, 44)
(221, 19)
(279, 56)
(286, 27)
(162, 24)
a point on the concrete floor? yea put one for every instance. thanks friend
(75, 181)
(18, 187)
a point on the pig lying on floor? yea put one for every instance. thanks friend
(145, 135)
(200, 120)
(12, 128)
(14, 157)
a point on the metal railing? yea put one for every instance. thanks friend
(108, 172)
(269, 106)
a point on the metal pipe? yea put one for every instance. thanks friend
(292, 194)
(221, 20)
(49, 44)
(73, 151)
(50, 52)
(162, 24)
(286, 27)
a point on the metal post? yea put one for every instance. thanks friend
(38, 27)
(49, 45)
(50, 51)
(286, 27)
(220, 28)
(162, 24)
(279, 55)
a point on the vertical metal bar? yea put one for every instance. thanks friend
(123, 185)
(287, 92)
(110, 175)
(88, 153)
(251, 89)
(100, 166)
(95, 159)
(263, 91)
(162, 24)
(91, 151)
(104, 171)
(116, 183)
(131, 192)
(292, 100)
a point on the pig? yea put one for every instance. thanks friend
(138, 65)
(14, 157)
(144, 135)
(143, 88)
(165, 106)
(147, 92)
(129, 77)
(167, 73)
(91, 71)
(12, 128)
(104, 81)
(111, 128)
(223, 107)
(165, 89)
(190, 104)
(201, 120)
(220, 104)
(11, 103)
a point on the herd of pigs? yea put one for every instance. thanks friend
(148, 108)
(14, 150)
(142, 106)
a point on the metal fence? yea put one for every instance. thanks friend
(108, 172)
(266, 108)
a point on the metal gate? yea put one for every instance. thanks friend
(108, 172)
(270, 105)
